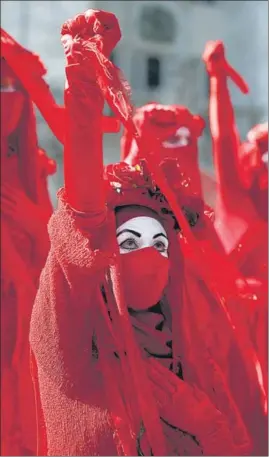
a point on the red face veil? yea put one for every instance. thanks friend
(145, 270)
(145, 276)
(12, 100)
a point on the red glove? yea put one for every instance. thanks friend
(215, 61)
(100, 27)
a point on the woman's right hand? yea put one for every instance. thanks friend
(93, 25)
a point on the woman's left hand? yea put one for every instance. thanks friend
(16, 205)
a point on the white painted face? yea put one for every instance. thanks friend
(180, 139)
(142, 232)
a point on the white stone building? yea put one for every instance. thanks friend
(160, 52)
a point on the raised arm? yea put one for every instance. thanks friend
(225, 138)
(78, 229)
(83, 154)
(31, 71)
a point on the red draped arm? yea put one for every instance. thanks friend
(225, 138)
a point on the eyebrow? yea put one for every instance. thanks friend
(129, 231)
(160, 234)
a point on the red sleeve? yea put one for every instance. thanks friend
(225, 139)
(63, 313)
(83, 152)
(223, 128)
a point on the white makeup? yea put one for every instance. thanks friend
(142, 232)
(181, 139)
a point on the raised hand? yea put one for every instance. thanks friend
(99, 27)
(216, 63)
(88, 39)
(214, 56)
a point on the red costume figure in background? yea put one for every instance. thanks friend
(173, 133)
(242, 192)
(237, 213)
(253, 174)
(158, 375)
(25, 211)
(177, 132)
(21, 60)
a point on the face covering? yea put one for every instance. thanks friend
(145, 276)
(145, 266)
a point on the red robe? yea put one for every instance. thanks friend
(25, 169)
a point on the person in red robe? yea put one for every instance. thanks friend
(124, 362)
(25, 211)
(175, 133)
(240, 170)
(241, 211)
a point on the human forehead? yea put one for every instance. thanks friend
(143, 224)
